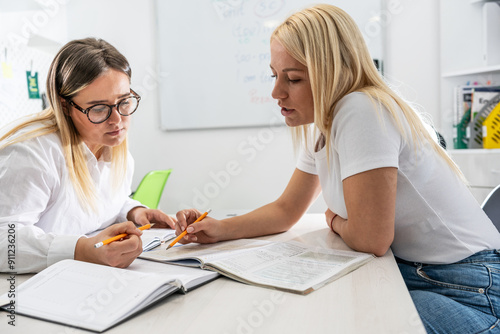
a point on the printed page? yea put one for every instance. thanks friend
(290, 266)
(203, 252)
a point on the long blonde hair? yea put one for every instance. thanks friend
(75, 66)
(328, 42)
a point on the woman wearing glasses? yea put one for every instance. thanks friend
(66, 172)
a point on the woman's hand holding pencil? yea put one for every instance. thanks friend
(193, 230)
(183, 234)
(116, 254)
(119, 236)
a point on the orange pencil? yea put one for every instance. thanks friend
(119, 236)
(185, 231)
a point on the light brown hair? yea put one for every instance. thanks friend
(75, 66)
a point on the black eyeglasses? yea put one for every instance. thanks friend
(101, 112)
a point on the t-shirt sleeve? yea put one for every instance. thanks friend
(363, 137)
(306, 162)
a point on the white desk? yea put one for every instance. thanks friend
(372, 299)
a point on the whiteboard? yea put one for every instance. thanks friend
(214, 58)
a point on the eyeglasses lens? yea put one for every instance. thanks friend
(101, 112)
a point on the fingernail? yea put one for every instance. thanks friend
(190, 229)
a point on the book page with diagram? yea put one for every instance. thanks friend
(289, 266)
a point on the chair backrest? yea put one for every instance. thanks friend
(491, 206)
(151, 187)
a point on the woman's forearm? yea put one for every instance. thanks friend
(376, 242)
(268, 219)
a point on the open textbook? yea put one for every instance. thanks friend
(97, 297)
(290, 266)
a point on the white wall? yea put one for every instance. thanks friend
(30, 35)
(412, 62)
(241, 168)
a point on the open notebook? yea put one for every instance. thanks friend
(290, 266)
(97, 297)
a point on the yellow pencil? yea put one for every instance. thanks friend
(119, 236)
(185, 231)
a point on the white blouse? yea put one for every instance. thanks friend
(41, 217)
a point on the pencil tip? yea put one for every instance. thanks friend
(168, 247)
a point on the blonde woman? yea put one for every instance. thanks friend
(386, 181)
(66, 172)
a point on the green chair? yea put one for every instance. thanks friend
(151, 187)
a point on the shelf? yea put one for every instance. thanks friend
(484, 1)
(475, 151)
(472, 71)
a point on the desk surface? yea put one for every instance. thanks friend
(372, 299)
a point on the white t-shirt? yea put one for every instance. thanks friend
(437, 218)
(37, 196)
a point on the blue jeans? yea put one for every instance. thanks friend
(462, 297)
